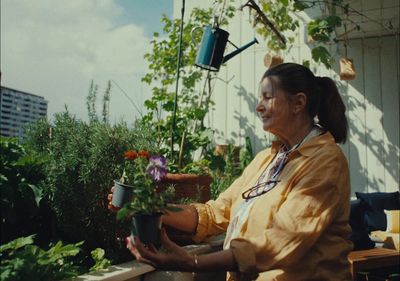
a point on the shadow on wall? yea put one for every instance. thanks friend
(249, 124)
(366, 136)
(381, 142)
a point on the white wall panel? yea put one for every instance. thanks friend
(390, 108)
(374, 114)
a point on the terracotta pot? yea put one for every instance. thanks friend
(189, 186)
(147, 228)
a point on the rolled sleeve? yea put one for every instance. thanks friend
(203, 222)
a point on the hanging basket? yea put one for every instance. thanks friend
(272, 60)
(347, 70)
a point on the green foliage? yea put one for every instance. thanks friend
(190, 134)
(233, 168)
(21, 260)
(199, 167)
(22, 209)
(147, 199)
(279, 12)
(83, 158)
(101, 262)
(147, 202)
(246, 154)
(321, 54)
(321, 30)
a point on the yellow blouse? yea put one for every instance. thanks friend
(297, 231)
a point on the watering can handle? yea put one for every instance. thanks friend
(194, 29)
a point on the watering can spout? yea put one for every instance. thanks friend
(210, 55)
(239, 50)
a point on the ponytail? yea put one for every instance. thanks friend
(331, 111)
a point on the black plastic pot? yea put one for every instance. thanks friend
(122, 194)
(147, 228)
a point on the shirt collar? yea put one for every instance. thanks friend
(309, 147)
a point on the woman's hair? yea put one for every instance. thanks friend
(323, 98)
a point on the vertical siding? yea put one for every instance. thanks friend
(389, 58)
(357, 156)
(374, 114)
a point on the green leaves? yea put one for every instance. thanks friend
(21, 176)
(193, 104)
(21, 260)
(101, 262)
(83, 159)
(321, 29)
(16, 244)
(321, 54)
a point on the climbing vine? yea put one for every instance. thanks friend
(273, 18)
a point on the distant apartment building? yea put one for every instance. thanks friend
(18, 109)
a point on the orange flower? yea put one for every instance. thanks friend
(130, 154)
(144, 154)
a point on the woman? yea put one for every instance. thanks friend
(286, 216)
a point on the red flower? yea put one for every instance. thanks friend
(131, 154)
(144, 154)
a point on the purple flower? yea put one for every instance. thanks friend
(157, 168)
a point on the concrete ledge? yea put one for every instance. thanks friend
(135, 271)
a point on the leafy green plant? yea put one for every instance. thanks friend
(21, 260)
(272, 18)
(231, 169)
(82, 160)
(143, 171)
(190, 135)
(101, 262)
(23, 210)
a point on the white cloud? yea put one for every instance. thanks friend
(54, 49)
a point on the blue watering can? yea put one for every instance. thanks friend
(210, 55)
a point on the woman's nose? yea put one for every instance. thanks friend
(259, 106)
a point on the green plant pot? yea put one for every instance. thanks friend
(122, 194)
(147, 228)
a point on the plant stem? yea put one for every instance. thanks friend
(177, 78)
(251, 4)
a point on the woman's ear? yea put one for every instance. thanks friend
(299, 102)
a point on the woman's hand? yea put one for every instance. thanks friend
(110, 206)
(176, 258)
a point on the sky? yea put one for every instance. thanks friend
(55, 48)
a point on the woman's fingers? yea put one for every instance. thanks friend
(166, 242)
(133, 249)
(112, 208)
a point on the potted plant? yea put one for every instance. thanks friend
(142, 174)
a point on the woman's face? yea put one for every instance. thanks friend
(274, 109)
